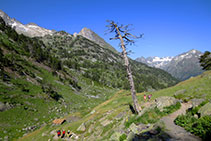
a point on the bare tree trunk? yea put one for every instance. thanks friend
(129, 72)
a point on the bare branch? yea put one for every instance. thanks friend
(124, 32)
(114, 38)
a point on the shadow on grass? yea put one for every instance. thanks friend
(153, 135)
(132, 109)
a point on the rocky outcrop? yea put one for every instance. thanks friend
(196, 102)
(91, 35)
(165, 101)
(179, 92)
(205, 110)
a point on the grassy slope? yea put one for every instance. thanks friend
(195, 88)
(21, 81)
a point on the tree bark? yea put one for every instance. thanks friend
(129, 72)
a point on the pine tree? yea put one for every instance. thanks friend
(205, 61)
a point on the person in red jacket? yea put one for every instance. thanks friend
(58, 133)
(63, 134)
(145, 97)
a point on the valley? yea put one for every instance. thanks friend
(81, 80)
(113, 118)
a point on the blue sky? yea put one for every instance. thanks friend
(170, 27)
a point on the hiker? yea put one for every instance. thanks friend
(63, 134)
(149, 96)
(58, 133)
(69, 134)
(145, 97)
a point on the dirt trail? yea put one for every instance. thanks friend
(177, 132)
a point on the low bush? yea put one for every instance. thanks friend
(200, 127)
(122, 137)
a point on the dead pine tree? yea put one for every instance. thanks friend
(122, 34)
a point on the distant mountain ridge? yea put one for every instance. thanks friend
(182, 66)
(31, 29)
(157, 62)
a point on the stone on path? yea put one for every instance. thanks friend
(165, 101)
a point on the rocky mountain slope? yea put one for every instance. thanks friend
(102, 64)
(182, 66)
(31, 29)
(91, 35)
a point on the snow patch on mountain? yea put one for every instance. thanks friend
(31, 29)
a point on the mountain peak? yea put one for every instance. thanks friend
(91, 35)
(194, 51)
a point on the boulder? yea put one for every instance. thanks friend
(205, 110)
(196, 102)
(82, 127)
(179, 92)
(91, 128)
(120, 116)
(4, 107)
(130, 136)
(165, 101)
(147, 108)
(105, 122)
(134, 128)
(115, 136)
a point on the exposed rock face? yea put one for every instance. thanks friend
(205, 110)
(91, 35)
(31, 29)
(165, 101)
